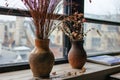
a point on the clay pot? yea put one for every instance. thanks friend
(77, 55)
(41, 59)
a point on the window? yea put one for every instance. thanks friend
(108, 10)
(105, 18)
(17, 34)
(17, 30)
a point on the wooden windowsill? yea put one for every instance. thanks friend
(65, 72)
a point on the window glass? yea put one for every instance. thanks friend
(18, 4)
(103, 9)
(96, 42)
(108, 42)
(12, 4)
(17, 36)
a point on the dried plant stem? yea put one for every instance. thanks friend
(85, 34)
(42, 12)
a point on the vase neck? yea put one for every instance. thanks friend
(44, 43)
(77, 43)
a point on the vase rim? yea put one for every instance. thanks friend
(76, 40)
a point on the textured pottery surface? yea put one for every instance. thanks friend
(41, 59)
(77, 55)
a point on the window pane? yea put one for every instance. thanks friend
(17, 39)
(103, 9)
(12, 4)
(109, 42)
(18, 4)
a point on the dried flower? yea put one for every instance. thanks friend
(54, 73)
(69, 73)
(83, 70)
(73, 26)
(90, 1)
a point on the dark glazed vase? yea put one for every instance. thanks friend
(41, 59)
(77, 55)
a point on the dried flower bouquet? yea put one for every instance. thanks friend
(73, 26)
(42, 12)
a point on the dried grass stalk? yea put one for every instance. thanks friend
(42, 12)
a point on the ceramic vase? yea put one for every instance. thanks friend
(41, 59)
(77, 55)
